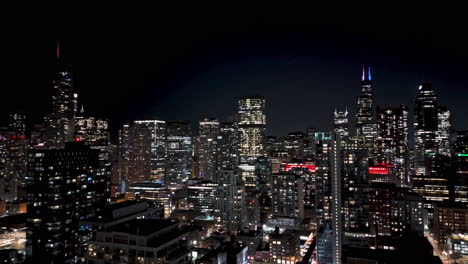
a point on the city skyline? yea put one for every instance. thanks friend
(142, 77)
(233, 144)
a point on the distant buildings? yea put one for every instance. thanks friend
(179, 152)
(240, 195)
(252, 135)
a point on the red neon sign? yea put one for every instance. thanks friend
(386, 165)
(289, 166)
(378, 170)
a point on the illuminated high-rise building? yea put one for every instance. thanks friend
(434, 184)
(227, 147)
(64, 186)
(355, 191)
(134, 154)
(94, 132)
(460, 167)
(392, 144)
(230, 211)
(341, 123)
(365, 124)
(178, 152)
(444, 125)
(13, 162)
(206, 146)
(157, 132)
(17, 123)
(252, 135)
(294, 144)
(59, 125)
(288, 195)
(324, 197)
(425, 125)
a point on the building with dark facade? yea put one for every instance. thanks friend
(64, 186)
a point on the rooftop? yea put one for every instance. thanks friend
(142, 227)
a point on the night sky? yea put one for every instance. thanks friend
(195, 66)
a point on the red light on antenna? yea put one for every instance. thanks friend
(77, 139)
(13, 137)
(22, 137)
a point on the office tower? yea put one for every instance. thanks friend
(323, 197)
(59, 125)
(392, 144)
(336, 161)
(64, 186)
(285, 247)
(288, 195)
(178, 152)
(449, 218)
(227, 147)
(13, 159)
(13, 151)
(135, 154)
(425, 125)
(341, 123)
(157, 132)
(395, 210)
(306, 168)
(252, 134)
(365, 125)
(230, 202)
(91, 129)
(141, 241)
(457, 244)
(154, 192)
(460, 178)
(294, 144)
(444, 125)
(94, 132)
(17, 123)
(309, 143)
(434, 185)
(206, 145)
(355, 191)
(263, 173)
(201, 195)
(460, 142)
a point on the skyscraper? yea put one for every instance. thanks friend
(392, 144)
(288, 195)
(323, 197)
(206, 146)
(341, 123)
(157, 132)
(425, 125)
(365, 125)
(444, 126)
(230, 211)
(59, 125)
(64, 186)
(179, 152)
(134, 154)
(227, 147)
(252, 133)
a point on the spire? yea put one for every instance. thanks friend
(58, 49)
(82, 109)
(363, 78)
(369, 76)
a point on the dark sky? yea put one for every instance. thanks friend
(195, 66)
